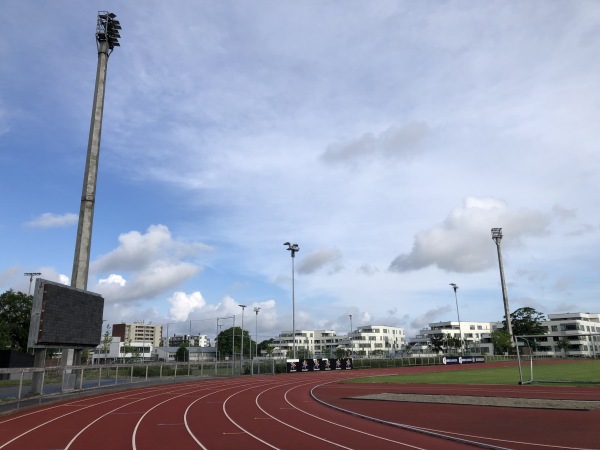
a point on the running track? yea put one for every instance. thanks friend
(282, 412)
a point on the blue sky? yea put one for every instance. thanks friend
(385, 138)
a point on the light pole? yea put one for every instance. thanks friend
(455, 287)
(242, 350)
(497, 238)
(256, 310)
(31, 275)
(107, 38)
(293, 248)
(350, 337)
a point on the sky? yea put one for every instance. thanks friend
(385, 138)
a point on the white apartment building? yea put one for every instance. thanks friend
(475, 335)
(570, 334)
(194, 340)
(119, 351)
(373, 340)
(310, 343)
(368, 340)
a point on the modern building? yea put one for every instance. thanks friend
(570, 334)
(475, 336)
(194, 340)
(376, 340)
(368, 340)
(196, 354)
(145, 333)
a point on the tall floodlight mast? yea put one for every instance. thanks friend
(293, 248)
(107, 38)
(497, 238)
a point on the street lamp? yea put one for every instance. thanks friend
(455, 287)
(256, 310)
(242, 351)
(350, 337)
(31, 275)
(293, 248)
(497, 238)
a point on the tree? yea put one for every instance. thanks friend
(182, 354)
(106, 341)
(438, 342)
(225, 343)
(15, 316)
(454, 342)
(501, 341)
(526, 321)
(266, 346)
(563, 345)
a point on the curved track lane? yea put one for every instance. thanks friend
(260, 412)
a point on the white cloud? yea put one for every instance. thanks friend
(113, 279)
(50, 220)
(182, 305)
(155, 263)
(461, 242)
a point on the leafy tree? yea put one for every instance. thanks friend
(563, 345)
(182, 354)
(266, 346)
(501, 340)
(454, 342)
(226, 344)
(526, 321)
(438, 342)
(15, 315)
(106, 340)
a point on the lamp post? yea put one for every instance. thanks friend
(242, 350)
(497, 238)
(455, 287)
(31, 275)
(293, 248)
(350, 337)
(256, 310)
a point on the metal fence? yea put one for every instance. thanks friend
(20, 386)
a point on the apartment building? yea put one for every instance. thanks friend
(373, 340)
(194, 340)
(475, 335)
(366, 340)
(570, 334)
(138, 332)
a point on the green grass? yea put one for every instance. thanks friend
(577, 372)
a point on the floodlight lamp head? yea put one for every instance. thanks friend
(287, 243)
(497, 234)
(256, 309)
(242, 306)
(454, 286)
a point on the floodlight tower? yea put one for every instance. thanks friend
(256, 310)
(293, 248)
(107, 38)
(497, 237)
(242, 351)
(455, 287)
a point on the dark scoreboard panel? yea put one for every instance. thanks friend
(65, 317)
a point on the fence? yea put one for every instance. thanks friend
(19, 386)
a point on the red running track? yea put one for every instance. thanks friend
(280, 412)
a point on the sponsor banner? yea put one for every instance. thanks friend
(448, 360)
(318, 365)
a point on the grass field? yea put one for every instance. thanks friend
(579, 372)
